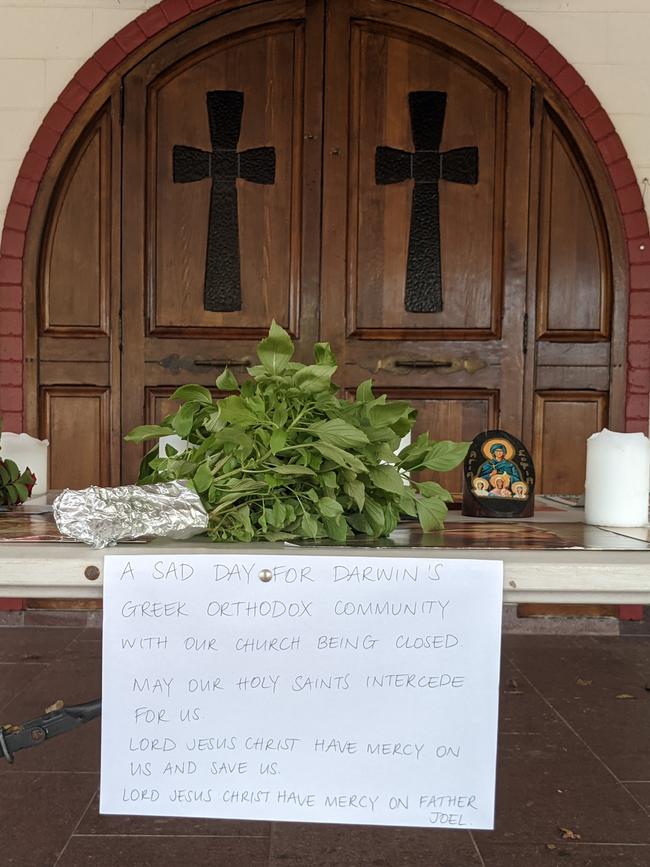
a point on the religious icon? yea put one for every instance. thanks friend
(499, 461)
(498, 470)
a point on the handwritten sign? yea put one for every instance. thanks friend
(308, 688)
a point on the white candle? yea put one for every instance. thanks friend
(618, 478)
(30, 452)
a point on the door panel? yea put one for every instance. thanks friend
(376, 233)
(387, 64)
(574, 312)
(77, 262)
(560, 466)
(78, 387)
(265, 66)
(574, 288)
(76, 421)
(223, 235)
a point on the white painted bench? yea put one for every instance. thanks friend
(620, 576)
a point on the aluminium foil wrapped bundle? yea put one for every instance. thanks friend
(104, 516)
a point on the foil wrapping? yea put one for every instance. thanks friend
(104, 516)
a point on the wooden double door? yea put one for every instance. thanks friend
(368, 173)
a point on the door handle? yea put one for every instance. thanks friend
(470, 364)
(222, 362)
(177, 362)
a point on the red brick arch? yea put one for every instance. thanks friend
(151, 26)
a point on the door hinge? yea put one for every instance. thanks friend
(525, 337)
(533, 103)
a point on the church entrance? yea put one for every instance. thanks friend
(369, 173)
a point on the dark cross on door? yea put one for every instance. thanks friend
(426, 166)
(224, 164)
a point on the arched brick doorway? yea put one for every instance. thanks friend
(150, 30)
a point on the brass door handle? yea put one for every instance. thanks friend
(177, 362)
(470, 364)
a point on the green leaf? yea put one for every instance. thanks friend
(147, 432)
(258, 372)
(387, 414)
(336, 528)
(233, 410)
(5, 478)
(309, 526)
(21, 491)
(323, 354)
(291, 470)
(407, 502)
(383, 435)
(280, 415)
(340, 457)
(279, 536)
(226, 381)
(278, 441)
(392, 518)
(375, 516)
(27, 477)
(338, 432)
(444, 455)
(147, 474)
(431, 513)
(202, 478)
(433, 489)
(360, 524)
(356, 490)
(184, 419)
(411, 456)
(387, 478)
(276, 350)
(364, 392)
(244, 515)
(329, 507)
(385, 453)
(212, 421)
(278, 514)
(198, 393)
(314, 377)
(255, 403)
(14, 471)
(232, 434)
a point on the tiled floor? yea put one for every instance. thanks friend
(574, 754)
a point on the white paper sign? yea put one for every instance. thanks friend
(345, 689)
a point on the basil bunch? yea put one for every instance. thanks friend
(284, 458)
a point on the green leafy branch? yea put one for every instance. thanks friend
(282, 457)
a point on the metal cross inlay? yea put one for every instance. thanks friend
(426, 165)
(224, 164)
